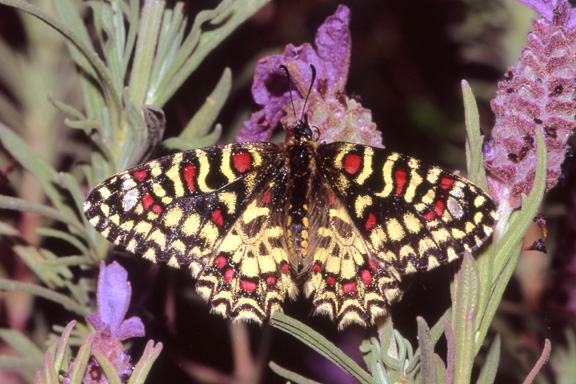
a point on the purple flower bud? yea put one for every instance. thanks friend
(536, 95)
(337, 117)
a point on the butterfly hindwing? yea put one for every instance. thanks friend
(412, 216)
(250, 276)
(346, 281)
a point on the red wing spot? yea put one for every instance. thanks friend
(439, 207)
(147, 201)
(220, 262)
(330, 280)
(266, 198)
(156, 208)
(446, 182)
(242, 161)
(400, 177)
(271, 280)
(366, 277)
(317, 268)
(248, 286)
(370, 222)
(140, 174)
(352, 163)
(428, 216)
(285, 268)
(331, 199)
(373, 265)
(349, 287)
(217, 218)
(229, 275)
(189, 176)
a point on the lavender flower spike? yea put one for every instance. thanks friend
(113, 297)
(536, 95)
(336, 117)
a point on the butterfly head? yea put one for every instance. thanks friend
(301, 132)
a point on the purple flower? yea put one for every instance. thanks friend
(336, 116)
(538, 94)
(113, 297)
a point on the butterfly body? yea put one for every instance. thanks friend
(257, 221)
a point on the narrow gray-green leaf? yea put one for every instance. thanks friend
(175, 143)
(293, 377)
(49, 232)
(8, 230)
(69, 261)
(490, 366)
(141, 369)
(14, 203)
(81, 361)
(151, 19)
(107, 367)
(21, 344)
(427, 361)
(320, 344)
(36, 290)
(83, 46)
(203, 120)
(63, 346)
(464, 306)
(230, 15)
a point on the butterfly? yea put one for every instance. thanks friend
(258, 222)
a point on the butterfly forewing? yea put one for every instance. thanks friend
(412, 216)
(176, 209)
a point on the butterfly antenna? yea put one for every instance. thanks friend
(313, 68)
(289, 87)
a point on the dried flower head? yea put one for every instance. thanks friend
(536, 95)
(336, 116)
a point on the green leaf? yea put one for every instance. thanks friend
(107, 367)
(62, 350)
(8, 230)
(223, 21)
(320, 344)
(81, 361)
(175, 143)
(144, 365)
(289, 375)
(203, 120)
(22, 345)
(83, 46)
(36, 290)
(490, 366)
(427, 360)
(464, 304)
(13, 203)
(49, 232)
(35, 261)
(150, 21)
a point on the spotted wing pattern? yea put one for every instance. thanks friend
(359, 220)
(385, 215)
(205, 209)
